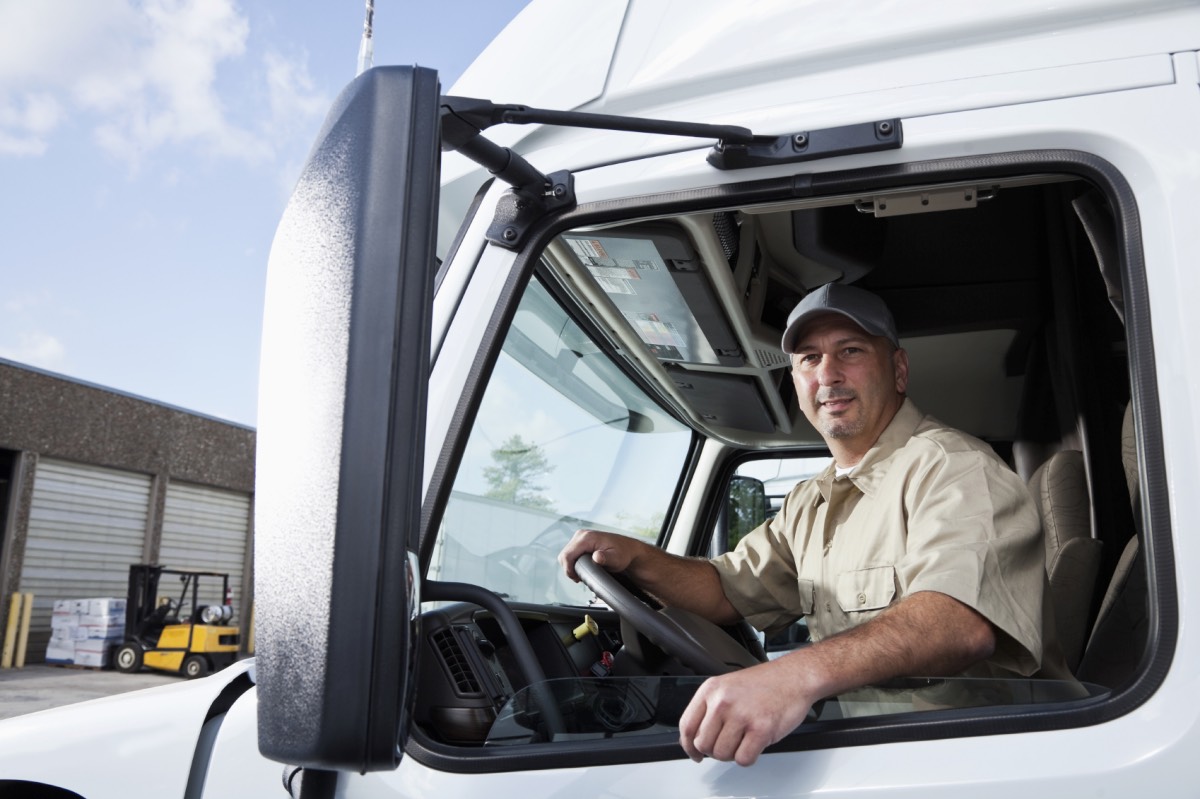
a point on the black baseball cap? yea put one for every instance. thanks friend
(860, 306)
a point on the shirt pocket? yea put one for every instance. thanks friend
(866, 589)
(805, 589)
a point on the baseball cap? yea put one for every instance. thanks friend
(860, 306)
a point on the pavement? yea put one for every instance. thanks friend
(38, 686)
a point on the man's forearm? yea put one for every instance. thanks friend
(688, 583)
(735, 716)
(928, 634)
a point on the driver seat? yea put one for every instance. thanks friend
(1122, 626)
(1072, 556)
(152, 626)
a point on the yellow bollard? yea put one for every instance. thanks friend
(10, 631)
(250, 634)
(23, 633)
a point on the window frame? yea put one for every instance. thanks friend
(1156, 528)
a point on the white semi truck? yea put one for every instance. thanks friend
(552, 297)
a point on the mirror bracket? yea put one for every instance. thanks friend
(521, 207)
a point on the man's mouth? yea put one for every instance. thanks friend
(836, 404)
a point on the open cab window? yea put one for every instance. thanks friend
(639, 388)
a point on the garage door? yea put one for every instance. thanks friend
(206, 528)
(87, 525)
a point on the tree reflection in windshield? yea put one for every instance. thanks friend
(563, 440)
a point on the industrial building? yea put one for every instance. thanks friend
(93, 480)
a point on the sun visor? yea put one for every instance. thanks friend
(655, 278)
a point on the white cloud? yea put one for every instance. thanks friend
(36, 349)
(18, 144)
(25, 123)
(168, 95)
(24, 302)
(145, 75)
(293, 97)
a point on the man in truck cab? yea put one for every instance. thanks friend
(917, 552)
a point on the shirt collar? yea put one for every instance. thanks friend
(867, 475)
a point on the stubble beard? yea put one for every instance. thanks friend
(842, 428)
(836, 427)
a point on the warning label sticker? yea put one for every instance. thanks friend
(662, 337)
(615, 286)
(588, 249)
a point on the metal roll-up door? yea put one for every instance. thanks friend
(87, 525)
(206, 528)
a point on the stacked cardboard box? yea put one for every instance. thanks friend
(83, 631)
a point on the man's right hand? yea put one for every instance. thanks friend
(688, 583)
(612, 551)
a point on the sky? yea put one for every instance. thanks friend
(147, 150)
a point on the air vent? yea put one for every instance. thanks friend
(769, 359)
(726, 228)
(455, 661)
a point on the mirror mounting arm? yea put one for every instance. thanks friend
(535, 195)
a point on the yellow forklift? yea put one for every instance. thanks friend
(188, 631)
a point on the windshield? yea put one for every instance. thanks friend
(563, 440)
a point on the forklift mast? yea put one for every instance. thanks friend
(142, 596)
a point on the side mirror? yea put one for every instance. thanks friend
(342, 399)
(745, 509)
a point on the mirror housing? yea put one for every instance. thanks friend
(342, 400)
(746, 508)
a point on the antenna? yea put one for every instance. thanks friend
(366, 50)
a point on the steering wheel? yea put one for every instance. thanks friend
(696, 642)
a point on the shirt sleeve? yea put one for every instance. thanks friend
(759, 576)
(974, 535)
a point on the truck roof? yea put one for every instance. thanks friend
(694, 60)
(779, 67)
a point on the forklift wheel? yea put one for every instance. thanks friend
(195, 666)
(128, 658)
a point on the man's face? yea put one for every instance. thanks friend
(849, 383)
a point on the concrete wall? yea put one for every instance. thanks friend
(51, 415)
(47, 415)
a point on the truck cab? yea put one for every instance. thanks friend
(489, 325)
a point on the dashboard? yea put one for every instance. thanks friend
(468, 671)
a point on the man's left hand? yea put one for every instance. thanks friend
(736, 716)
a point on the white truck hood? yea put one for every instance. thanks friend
(140, 743)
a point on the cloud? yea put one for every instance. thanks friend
(25, 123)
(147, 74)
(36, 349)
(168, 94)
(292, 94)
(16, 303)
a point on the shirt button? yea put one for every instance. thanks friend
(862, 599)
(828, 608)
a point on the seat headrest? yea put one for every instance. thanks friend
(1060, 488)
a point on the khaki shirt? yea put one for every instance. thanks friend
(928, 508)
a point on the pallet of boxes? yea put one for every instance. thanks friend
(84, 631)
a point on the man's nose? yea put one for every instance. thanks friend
(828, 372)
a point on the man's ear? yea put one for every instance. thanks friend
(900, 365)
